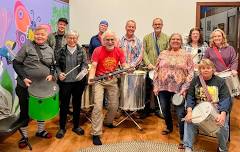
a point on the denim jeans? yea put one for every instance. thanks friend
(190, 131)
(165, 101)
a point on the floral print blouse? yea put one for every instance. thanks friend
(174, 71)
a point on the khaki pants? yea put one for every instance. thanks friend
(112, 93)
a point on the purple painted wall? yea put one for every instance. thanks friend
(18, 18)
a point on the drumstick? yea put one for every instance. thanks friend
(183, 119)
(160, 109)
(72, 70)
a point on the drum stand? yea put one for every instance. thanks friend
(129, 116)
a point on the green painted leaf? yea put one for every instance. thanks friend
(6, 81)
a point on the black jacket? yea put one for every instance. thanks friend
(61, 59)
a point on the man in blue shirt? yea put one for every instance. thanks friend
(96, 40)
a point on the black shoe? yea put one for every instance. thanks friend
(96, 140)
(60, 134)
(166, 132)
(23, 142)
(78, 131)
(110, 125)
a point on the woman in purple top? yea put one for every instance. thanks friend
(218, 43)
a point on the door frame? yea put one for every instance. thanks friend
(212, 4)
(219, 4)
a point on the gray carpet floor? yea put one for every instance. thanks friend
(136, 146)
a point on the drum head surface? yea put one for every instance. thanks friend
(43, 88)
(139, 72)
(151, 74)
(177, 99)
(224, 74)
(201, 112)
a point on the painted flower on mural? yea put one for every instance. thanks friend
(26, 23)
(18, 19)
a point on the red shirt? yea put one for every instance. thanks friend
(107, 61)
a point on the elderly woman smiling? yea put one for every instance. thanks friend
(173, 74)
(68, 58)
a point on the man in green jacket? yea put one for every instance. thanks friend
(153, 44)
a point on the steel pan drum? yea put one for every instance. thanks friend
(132, 92)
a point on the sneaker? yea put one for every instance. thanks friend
(23, 142)
(44, 134)
(181, 146)
(78, 131)
(60, 134)
(110, 125)
(166, 132)
(96, 140)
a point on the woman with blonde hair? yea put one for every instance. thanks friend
(221, 53)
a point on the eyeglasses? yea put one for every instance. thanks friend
(109, 39)
(158, 24)
(72, 38)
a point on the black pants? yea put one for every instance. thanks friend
(23, 96)
(150, 98)
(165, 100)
(68, 89)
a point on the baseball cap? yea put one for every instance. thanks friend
(62, 19)
(104, 22)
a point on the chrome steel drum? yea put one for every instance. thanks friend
(43, 100)
(132, 91)
(87, 97)
(232, 82)
(204, 115)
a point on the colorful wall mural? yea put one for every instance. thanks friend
(18, 18)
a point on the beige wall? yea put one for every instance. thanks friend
(178, 15)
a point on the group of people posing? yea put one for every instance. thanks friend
(176, 67)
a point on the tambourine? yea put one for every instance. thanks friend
(178, 99)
